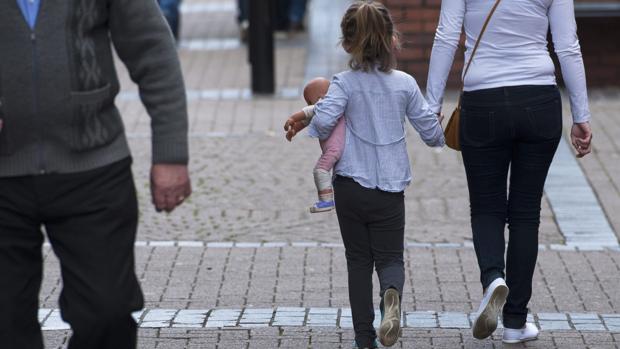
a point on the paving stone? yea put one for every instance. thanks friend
(554, 325)
(552, 316)
(453, 320)
(190, 318)
(157, 318)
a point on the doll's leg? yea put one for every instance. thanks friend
(332, 151)
(332, 147)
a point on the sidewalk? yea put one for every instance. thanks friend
(243, 264)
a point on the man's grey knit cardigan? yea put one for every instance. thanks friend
(58, 84)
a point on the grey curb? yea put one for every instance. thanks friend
(332, 317)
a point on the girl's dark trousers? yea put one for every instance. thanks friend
(372, 224)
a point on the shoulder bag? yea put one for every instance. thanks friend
(453, 128)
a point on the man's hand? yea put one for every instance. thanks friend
(170, 186)
(581, 138)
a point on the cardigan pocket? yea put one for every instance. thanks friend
(95, 121)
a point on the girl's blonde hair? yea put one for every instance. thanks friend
(369, 36)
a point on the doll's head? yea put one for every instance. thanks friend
(315, 90)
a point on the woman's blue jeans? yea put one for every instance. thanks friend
(509, 135)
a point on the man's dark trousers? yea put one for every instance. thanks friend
(91, 220)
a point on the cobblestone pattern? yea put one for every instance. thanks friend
(333, 338)
(444, 280)
(258, 187)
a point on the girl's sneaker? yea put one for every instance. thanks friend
(529, 332)
(322, 206)
(389, 331)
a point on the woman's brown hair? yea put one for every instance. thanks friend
(369, 36)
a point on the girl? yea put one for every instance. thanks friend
(374, 169)
(511, 118)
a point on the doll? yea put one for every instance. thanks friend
(332, 147)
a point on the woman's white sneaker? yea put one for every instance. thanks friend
(490, 308)
(529, 332)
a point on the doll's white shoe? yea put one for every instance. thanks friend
(322, 206)
(529, 332)
(490, 308)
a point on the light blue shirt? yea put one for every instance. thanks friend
(375, 105)
(30, 10)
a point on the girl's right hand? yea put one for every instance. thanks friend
(581, 138)
(440, 117)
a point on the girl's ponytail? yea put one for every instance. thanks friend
(369, 36)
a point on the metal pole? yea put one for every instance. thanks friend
(262, 46)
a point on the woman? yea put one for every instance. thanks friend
(511, 122)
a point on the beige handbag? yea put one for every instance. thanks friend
(453, 128)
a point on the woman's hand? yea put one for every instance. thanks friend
(581, 138)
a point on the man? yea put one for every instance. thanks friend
(65, 163)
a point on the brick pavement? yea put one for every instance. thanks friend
(251, 186)
(438, 279)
